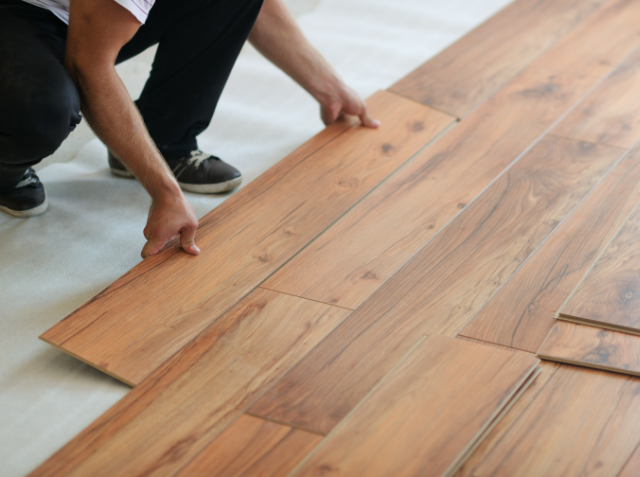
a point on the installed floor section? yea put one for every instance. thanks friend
(313, 356)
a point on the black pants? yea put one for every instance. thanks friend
(198, 44)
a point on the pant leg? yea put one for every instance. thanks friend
(199, 42)
(39, 104)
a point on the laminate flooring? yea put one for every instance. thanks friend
(316, 333)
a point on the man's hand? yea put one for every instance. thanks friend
(170, 215)
(277, 36)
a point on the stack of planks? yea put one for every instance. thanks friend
(373, 304)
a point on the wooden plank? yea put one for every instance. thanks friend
(608, 295)
(141, 320)
(520, 314)
(611, 115)
(443, 286)
(592, 347)
(369, 244)
(474, 68)
(426, 414)
(166, 421)
(571, 421)
(632, 467)
(252, 447)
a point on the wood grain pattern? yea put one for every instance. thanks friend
(571, 421)
(252, 447)
(520, 314)
(592, 347)
(166, 421)
(471, 70)
(608, 295)
(425, 414)
(443, 286)
(146, 316)
(632, 467)
(611, 115)
(368, 245)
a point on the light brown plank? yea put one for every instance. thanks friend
(368, 245)
(145, 317)
(166, 421)
(632, 467)
(612, 114)
(571, 421)
(471, 70)
(592, 347)
(608, 295)
(443, 286)
(252, 447)
(426, 414)
(520, 314)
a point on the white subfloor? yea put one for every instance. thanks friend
(92, 233)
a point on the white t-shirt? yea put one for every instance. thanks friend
(60, 8)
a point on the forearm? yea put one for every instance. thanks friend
(116, 121)
(277, 36)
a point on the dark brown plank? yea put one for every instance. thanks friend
(166, 421)
(426, 414)
(611, 115)
(571, 421)
(608, 295)
(592, 347)
(471, 70)
(443, 286)
(520, 314)
(252, 447)
(141, 320)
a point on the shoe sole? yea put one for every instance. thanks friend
(197, 188)
(23, 214)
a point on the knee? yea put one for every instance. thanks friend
(34, 125)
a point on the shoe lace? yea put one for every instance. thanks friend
(29, 178)
(197, 158)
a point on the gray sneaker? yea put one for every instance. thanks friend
(200, 172)
(26, 199)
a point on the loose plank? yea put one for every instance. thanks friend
(443, 286)
(252, 447)
(426, 414)
(520, 314)
(608, 295)
(571, 421)
(352, 259)
(141, 320)
(592, 347)
(471, 70)
(166, 421)
(612, 114)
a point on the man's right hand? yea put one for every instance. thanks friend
(170, 215)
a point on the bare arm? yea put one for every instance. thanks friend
(277, 36)
(97, 31)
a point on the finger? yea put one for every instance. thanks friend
(367, 120)
(153, 246)
(187, 240)
(330, 113)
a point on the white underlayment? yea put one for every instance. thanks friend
(92, 233)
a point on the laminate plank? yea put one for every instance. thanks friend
(520, 314)
(252, 447)
(632, 467)
(443, 286)
(141, 320)
(611, 115)
(471, 70)
(608, 295)
(426, 414)
(571, 421)
(166, 421)
(592, 347)
(353, 258)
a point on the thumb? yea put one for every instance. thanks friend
(187, 240)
